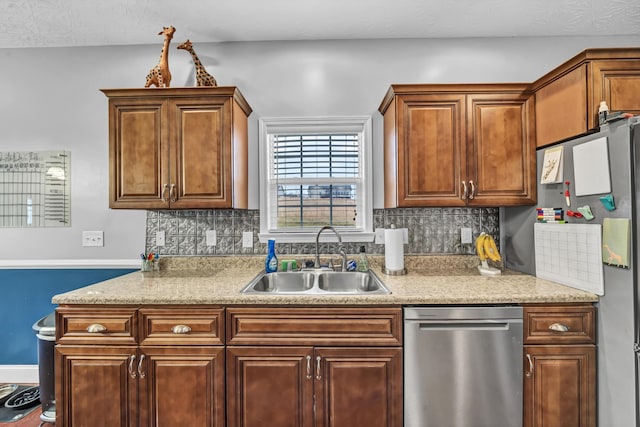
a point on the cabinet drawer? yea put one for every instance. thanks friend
(559, 324)
(91, 325)
(180, 326)
(372, 326)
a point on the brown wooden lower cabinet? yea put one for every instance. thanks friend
(560, 386)
(314, 386)
(559, 366)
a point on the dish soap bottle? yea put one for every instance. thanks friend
(271, 263)
(363, 265)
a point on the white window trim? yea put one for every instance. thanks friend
(274, 125)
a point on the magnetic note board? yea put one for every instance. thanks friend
(591, 167)
(570, 254)
(35, 189)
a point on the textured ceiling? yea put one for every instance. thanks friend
(48, 23)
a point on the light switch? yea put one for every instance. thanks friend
(247, 239)
(212, 238)
(160, 238)
(93, 238)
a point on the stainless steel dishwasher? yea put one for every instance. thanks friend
(463, 366)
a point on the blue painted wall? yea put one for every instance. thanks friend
(25, 297)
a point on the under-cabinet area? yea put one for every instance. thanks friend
(280, 365)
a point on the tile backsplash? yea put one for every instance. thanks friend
(432, 231)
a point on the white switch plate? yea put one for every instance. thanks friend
(247, 239)
(93, 238)
(405, 236)
(465, 235)
(379, 236)
(160, 238)
(212, 238)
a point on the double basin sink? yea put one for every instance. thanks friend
(319, 282)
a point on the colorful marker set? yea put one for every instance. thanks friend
(550, 215)
(151, 256)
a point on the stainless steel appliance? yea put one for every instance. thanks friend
(618, 322)
(463, 366)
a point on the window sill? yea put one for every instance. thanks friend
(327, 236)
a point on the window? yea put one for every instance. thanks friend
(315, 172)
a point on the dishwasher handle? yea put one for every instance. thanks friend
(471, 326)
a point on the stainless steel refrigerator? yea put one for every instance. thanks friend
(618, 330)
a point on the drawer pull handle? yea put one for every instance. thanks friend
(132, 359)
(558, 327)
(473, 190)
(181, 329)
(464, 190)
(164, 189)
(530, 371)
(96, 328)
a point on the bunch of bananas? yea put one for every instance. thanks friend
(486, 248)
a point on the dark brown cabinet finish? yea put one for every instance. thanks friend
(458, 145)
(183, 148)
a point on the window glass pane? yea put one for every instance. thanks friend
(315, 205)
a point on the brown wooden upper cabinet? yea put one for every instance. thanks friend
(177, 148)
(459, 145)
(568, 97)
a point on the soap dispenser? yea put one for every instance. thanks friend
(271, 263)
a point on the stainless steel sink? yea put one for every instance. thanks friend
(317, 281)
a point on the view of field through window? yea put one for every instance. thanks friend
(317, 178)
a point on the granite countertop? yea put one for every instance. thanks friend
(218, 280)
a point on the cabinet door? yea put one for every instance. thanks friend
(182, 386)
(138, 153)
(501, 167)
(270, 386)
(561, 107)
(358, 387)
(95, 386)
(201, 152)
(560, 386)
(618, 83)
(430, 136)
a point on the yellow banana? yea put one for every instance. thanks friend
(490, 249)
(480, 246)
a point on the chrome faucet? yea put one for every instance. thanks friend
(340, 248)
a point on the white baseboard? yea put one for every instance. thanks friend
(19, 374)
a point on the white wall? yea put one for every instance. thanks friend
(50, 100)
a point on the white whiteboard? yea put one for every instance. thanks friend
(570, 254)
(35, 189)
(591, 167)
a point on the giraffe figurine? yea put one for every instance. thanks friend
(160, 76)
(202, 77)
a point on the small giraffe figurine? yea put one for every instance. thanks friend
(160, 76)
(202, 77)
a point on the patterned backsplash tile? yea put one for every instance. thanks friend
(432, 231)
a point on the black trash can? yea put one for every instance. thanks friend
(45, 330)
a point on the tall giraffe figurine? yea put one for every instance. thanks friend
(160, 76)
(202, 77)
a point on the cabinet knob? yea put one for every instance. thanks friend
(558, 327)
(132, 359)
(530, 371)
(164, 190)
(96, 328)
(464, 190)
(181, 329)
(172, 193)
(473, 190)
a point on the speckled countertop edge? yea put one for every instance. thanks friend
(218, 281)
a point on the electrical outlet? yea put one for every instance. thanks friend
(93, 238)
(465, 236)
(211, 237)
(160, 238)
(379, 240)
(247, 239)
